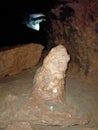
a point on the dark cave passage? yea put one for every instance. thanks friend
(14, 32)
(11, 25)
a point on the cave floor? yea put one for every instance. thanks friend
(79, 94)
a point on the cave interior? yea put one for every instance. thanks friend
(71, 23)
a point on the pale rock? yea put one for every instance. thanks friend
(49, 93)
(49, 79)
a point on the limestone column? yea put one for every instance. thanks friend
(49, 80)
(49, 90)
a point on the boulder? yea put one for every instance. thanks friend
(14, 60)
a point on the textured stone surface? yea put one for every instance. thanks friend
(48, 82)
(49, 91)
(19, 126)
(75, 25)
(47, 103)
(14, 60)
(89, 128)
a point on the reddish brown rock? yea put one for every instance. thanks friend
(47, 104)
(19, 126)
(49, 90)
(14, 60)
(75, 26)
(48, 82)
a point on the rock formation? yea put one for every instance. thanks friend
(47, 104)
(74, 24)
(49, 90)
(14, 60)
(48, 82)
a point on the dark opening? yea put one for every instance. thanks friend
(13, 31)
(12, 14)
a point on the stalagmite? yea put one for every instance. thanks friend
(49, 90)
(48, 83)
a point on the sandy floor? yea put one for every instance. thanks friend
(79, 94)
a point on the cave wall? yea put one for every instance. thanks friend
(75, 24)
(15, 60)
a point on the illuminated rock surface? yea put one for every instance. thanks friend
(48, 82)
(47, 104)
(49, 90)
(14, 60)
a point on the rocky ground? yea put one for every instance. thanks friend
(15, 92)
